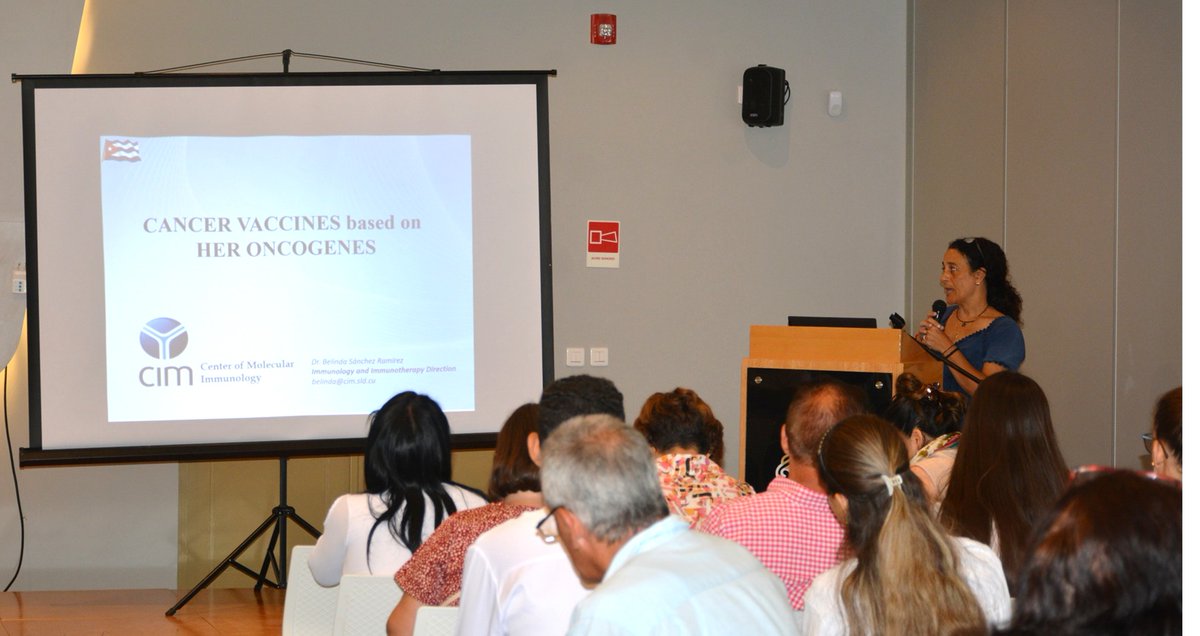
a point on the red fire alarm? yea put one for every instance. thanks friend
(604, 28)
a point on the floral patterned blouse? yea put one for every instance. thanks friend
(694, 484)
(434, 573)
(936, 459)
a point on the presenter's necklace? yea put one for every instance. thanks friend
(964, 323)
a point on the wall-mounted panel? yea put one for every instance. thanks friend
(1061, 208)
(1091, 193)
(1149, 325)
(957, 147)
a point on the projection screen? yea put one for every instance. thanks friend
(248, 265)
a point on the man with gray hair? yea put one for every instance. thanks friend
(651, 573)
(515, 584)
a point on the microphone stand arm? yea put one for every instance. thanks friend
(937, 355)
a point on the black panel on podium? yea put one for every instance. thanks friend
(769, 391)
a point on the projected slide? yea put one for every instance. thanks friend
(267, 276)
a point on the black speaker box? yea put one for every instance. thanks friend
(762, 96)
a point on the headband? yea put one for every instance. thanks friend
(821, 459)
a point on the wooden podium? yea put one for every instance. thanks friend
(783, 358)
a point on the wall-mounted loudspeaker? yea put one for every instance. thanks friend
(764, 92)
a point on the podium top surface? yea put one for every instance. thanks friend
(834, 344)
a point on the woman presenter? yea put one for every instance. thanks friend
(979, 331)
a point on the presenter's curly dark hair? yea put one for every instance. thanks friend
(1001, 294)
(680, 418)
(407, 460)
(1107, 560)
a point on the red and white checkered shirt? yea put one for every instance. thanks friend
(788, 527)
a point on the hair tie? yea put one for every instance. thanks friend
(892, 482)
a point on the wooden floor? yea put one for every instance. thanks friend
(225, 612)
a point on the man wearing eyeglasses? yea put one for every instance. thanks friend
(515, 582)
(652, 573)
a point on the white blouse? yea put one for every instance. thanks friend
(342, 548)
(980, 568)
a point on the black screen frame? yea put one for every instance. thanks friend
(35, 456)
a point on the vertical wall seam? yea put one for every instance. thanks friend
(1116, 234)
(1004, 203)
(910, 211)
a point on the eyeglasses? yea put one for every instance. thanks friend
(547, 528)
(978, 248)
(1148, 441)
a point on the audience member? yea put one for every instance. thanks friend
(790, 527)
(931, 421)
(908, 576)
(689, 441)
(1009, 470)
(433, 576)
(651, 573)
(409, 493)
(1165, 442)
(1107, 560)
(513, 582)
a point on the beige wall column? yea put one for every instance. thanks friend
(1085, 120)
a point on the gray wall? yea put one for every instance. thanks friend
(1054, 129)
(724, 226)
(99, 527)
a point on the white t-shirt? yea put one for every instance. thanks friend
(342, 548)
(980, 568)
(514, 583)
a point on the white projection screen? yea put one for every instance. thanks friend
(225, 266)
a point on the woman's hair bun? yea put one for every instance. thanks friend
(908, 384)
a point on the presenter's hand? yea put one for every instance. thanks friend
(933, 334)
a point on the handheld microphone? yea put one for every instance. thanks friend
(939, 308)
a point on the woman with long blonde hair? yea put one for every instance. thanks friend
(905, 574)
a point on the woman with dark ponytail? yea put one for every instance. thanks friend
(980, 329)
(409, 493)
(906, 575)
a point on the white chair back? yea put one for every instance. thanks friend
(308, 608)
(435, 621)
(364, 604)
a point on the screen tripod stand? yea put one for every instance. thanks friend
(278, 518)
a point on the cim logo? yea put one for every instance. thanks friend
(164, 339)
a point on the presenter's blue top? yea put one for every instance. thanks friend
(1000, 342)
